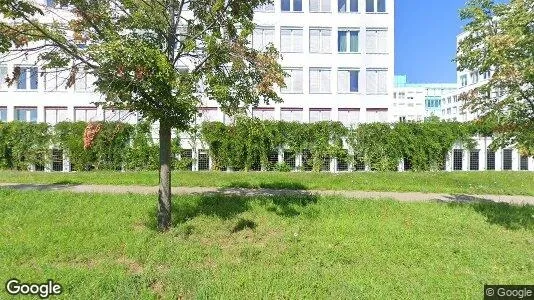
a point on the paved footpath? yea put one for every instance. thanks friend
(149, 190)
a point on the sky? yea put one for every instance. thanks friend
(425, 39)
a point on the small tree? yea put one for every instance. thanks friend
(151, 56)
(500, 38)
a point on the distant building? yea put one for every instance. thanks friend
(431, 95)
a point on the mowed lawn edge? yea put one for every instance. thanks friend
(106, 246)
(470, 183)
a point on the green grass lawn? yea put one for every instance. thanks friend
(106, 247)
(498, 183)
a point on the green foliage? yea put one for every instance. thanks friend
(250, 140)
(424, 145)
(243, 145)
(500, 39)
(23, 144)
(69, 137)
(143, 152)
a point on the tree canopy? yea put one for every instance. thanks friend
(161, 58)
(499, 38)
(151, 56)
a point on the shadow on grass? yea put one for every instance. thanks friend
(278, 185)
(68, 182)
(58, 186)
(509, 216)
(227, 204)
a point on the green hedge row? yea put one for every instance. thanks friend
(242, 145)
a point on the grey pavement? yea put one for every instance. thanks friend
(148, 190)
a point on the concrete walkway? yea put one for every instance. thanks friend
(148, 190)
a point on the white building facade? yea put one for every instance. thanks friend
(339, 55)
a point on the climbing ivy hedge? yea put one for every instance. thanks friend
(243, 145)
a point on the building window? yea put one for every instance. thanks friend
(320, 6)
(57, 160)
(203, 160)
(207, 114)
(85, 114)
(507, 159)
(54, 115)
(490, 160)
(116, 115)
(375, 6)
(289, 159)
(376, 41)
(293, 81)
(457, 162)
(3, 76)
(348, 116)
(291, 114)
(348, 41)
(377, 82)
(291, 5)
(320, 40)
(3, 114)
(463, 80)
(347, 6)
(486, 75)
(187, 155)
(28, 78)
(263, 113)
(474, 77)
(26, 114)
(348, 81)
(291, 40)
(319, 81)
(474, 160)
(523, 163)
(319, 114)
(377, 115)
(52, 79)
(267, 7)
(262, 37)
(84, 82)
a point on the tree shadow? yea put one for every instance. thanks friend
(509, 216)
(227, 204)
(58, 186)
(277, 185)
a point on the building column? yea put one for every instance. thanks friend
(531, 163)
(194, 156)
(10, 113)
(498, 160)
(400, 167)
(448, 161)
(466, 159)
(515, 159)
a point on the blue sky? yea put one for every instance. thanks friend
(425, 39)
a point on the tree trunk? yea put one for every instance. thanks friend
(164, 199)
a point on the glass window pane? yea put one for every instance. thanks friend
(3, 75)
(354, 41)
(33, 115)
(354, 5)
(21, 84)
(342, 5)
(342, 41)
(297, 5)
(286, 5)
(3, 114)
(381, 7)
(34, 79)
(370, 6)
(354, 81)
